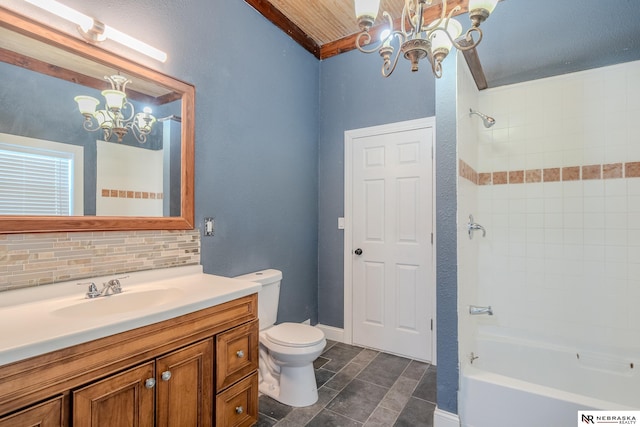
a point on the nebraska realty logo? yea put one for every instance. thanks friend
(586, 418)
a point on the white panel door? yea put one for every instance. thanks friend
(392, 253)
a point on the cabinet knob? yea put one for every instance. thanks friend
(358, 251)
(240, 354)
(166, 375)
(150, 383)
(239, 410)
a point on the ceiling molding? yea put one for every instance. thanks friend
(348, 42)
(266, 9)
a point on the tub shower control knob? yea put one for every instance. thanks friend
(358, 251)
(240, 354)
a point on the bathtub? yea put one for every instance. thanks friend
(533, 384)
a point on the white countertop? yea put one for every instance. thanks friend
(31, 323)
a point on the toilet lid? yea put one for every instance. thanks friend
(294, 335)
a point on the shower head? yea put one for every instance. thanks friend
(488, 121)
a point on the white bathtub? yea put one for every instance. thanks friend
(531, 384)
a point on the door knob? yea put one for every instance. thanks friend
(358, 251)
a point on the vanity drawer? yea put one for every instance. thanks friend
(236, 354)
(237, 406)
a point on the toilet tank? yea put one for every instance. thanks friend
(268, 296)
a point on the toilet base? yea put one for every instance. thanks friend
(297, 386)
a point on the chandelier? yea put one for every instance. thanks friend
(417, 40)
(118, 117)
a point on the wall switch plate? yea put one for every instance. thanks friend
(341, 223)
(209, 227)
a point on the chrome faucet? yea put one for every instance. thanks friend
(93, 291)
(476, 309)
(472, 226)
(111, 287)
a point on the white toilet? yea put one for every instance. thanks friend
(287, 350)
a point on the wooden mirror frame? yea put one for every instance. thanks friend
(33, 224)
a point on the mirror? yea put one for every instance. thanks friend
(114, 185)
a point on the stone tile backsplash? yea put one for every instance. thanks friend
(44, 258)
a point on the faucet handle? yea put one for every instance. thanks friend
(93, 291)
(114, 284)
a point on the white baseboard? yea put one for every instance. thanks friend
(445, 419)
(332, 333)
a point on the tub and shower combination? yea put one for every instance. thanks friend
(560, 262)
(510, 382)
(537, 377)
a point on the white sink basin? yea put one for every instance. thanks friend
(119, 303)
(41, 319)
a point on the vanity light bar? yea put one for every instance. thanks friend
(95, 31)
(135, 44)
(65, 12)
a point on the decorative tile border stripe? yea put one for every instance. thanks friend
(43, 258)
(569, 173)
(128, 194)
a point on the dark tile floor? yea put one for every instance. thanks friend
(361, 387)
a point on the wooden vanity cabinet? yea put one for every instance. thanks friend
(184, 392)
(47, 414)
(199, 369)
(119, 400)
(237, 376)
(181, 382)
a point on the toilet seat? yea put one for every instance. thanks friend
(294, 335)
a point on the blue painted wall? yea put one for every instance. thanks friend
(353, 94)
(256, 133)
(270, 122)
(446, 240)
(256, 164)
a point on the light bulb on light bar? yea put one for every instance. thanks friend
(96, 31)
(65, 12)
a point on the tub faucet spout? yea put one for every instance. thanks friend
(476, 309)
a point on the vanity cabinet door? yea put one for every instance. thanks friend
(184, 381)
(236, 354)
(47, 414)
(121, 400)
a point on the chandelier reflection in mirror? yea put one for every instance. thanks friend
(118, 117)
(417, 40)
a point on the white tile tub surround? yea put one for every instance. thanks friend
(42, 258)
(558, 190)
(562, 259)
(468, 133)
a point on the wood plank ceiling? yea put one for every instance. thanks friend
(328, 27)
